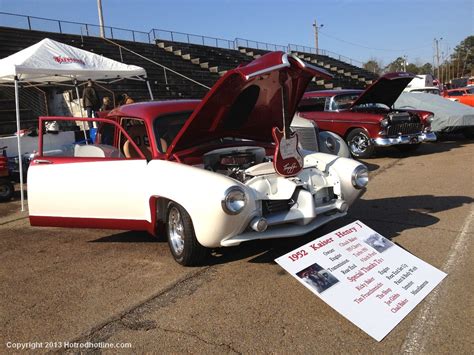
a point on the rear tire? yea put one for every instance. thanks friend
(182, 241)
(407, 148)
(360, 144)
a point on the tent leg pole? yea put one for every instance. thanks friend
(20, 158)
(82, 112)
(149, 89)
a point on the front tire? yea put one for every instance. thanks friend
(6, 190)
(182, 241)
(360, 144)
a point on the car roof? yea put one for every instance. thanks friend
(150, 110)
(329, 93)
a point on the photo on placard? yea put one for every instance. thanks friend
(378, 242)
(318, 278)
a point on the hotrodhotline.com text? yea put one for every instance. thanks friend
(32, 345)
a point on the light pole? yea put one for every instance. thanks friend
(316, 35)
(436, 41)
(101, 18)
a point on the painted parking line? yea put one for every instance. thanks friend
(421, 330)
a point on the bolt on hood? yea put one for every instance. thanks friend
(247, 102)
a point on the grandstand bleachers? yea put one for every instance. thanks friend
(201, 63)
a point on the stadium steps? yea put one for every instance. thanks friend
(216, 60)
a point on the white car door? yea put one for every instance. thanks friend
(96, 186)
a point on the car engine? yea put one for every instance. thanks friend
(234, 161)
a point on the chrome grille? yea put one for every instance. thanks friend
(404, 128)
(274, 206)
(307, 137)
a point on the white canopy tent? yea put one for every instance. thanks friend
(50, 62)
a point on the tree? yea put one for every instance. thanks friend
(374, 65)
(412, 68)
(426, 68)
(396, 65)
(463, 57)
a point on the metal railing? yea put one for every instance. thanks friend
(70, 27)
(242, 42)
(312, 50)
(173, 36)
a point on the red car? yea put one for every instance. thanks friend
(366, 119)
(6, 187)
(462, 95)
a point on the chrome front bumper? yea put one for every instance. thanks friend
(407, 139)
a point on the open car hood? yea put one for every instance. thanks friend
(247, 101)
(385, 90)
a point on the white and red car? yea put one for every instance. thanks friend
(200, 171)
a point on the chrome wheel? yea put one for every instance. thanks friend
(359, 144)
(176, 231)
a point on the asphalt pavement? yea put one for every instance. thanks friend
(77, 285)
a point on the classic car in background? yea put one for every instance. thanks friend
(449, 116)
(312, 139)
(462, 95)
(423, 83)
(366, 119)
(201, 171)
(6, 186)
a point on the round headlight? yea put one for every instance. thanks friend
(429, 119)
(384, 123)
(360, 177)
(234, 200)
(330, 143)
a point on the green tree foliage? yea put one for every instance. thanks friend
(462, 58)
(396, 65)
(426, 68)
(412, 68)
(373, 65)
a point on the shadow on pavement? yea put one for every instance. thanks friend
(388, 216)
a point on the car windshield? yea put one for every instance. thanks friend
(428, 91)
(166, 128)
(343, 102)
(470, 91)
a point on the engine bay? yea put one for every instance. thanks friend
(234, 161)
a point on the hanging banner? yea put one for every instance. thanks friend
(364, 276)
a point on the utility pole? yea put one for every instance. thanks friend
(316, 35)
(101, 18)
(436, 41)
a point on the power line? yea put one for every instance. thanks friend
(376, 49)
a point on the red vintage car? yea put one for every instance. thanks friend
(366, 119)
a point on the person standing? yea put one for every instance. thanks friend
(90, 99)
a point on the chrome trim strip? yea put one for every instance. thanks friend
(285, 63)
(310, 66)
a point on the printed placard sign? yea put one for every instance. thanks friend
(364, 276)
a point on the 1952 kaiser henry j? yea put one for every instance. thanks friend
(204, 172)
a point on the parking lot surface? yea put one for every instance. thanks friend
(79, 285)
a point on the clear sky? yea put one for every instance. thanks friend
(384, 29)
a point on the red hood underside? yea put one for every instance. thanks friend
(247, 102)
